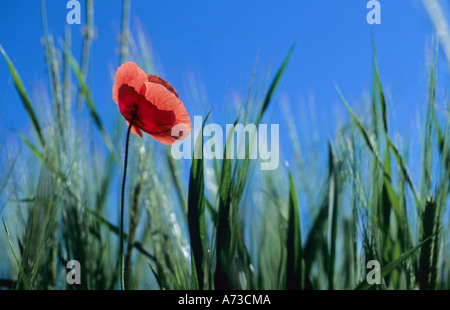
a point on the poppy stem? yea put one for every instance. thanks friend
(122, 208)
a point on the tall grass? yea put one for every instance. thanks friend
(219, 224)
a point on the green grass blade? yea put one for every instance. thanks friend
(274, 84)
(66, 71)
(295, 276)
(176, 178)
(87, 43)
(28, 286)
(393, 199)
(155, 274)
(196, 215)
(124, 33)
(315, 236)
(223, 230)
(55, 85)
(24, 96)
(368, 138)
(388, 198)
(114, 229)
(33, 148)
(401, 163)
(380, 92)
(247, 103)
(194, 276)
(332, 215)
(427, 149)
(92, 109)
(425, 260)
(364, 285)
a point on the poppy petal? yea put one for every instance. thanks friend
(147, 117)
(130, 74)
(164, 99)
(157, 80)
(168, 139)
(152, 103)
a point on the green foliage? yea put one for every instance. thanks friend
(22, 273)
(295, 265)
(24, 96)
(196, 214)
(225, 224)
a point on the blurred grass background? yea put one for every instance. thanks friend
(221, 224)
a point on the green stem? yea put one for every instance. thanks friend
(122, 207)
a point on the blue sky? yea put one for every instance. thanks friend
(218, 42)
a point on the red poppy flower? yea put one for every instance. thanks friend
(151, 103)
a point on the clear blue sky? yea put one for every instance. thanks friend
(219, 40)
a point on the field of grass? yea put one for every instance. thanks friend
(219, 224)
